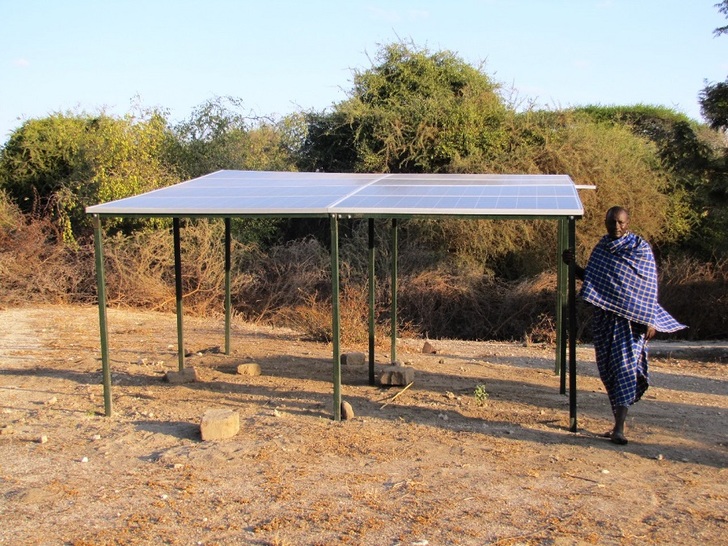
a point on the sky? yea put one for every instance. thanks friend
(282, 56)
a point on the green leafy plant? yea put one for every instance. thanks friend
(481, 395)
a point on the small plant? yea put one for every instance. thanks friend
(481, 395)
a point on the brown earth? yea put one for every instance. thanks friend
(436, 465)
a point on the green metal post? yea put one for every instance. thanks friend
(178, 293)
(335, 320)
(562, 278)
(228, 301)
(572, 328)
(101, 287)
(394, 290)
(372, 290)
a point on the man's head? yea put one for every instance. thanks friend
(617, 222)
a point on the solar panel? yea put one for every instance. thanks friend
(251, 193)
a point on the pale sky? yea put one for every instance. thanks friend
(288, 55)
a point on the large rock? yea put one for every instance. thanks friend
(250, 368)
(187, 375)
(353, 359)
(347, 412)
(428, 348)
(397, 375)
(219, 424)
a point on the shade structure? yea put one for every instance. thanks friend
(256, 193)
(229, 194)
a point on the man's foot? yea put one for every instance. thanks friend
(618, 438)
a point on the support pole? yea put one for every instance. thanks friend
(101, 294)
(178, 293)
(394, 290)
(562, 308)
(572, 328)
(335, 319)
(228, 301)
(372, 291)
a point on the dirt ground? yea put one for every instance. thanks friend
(436, 465)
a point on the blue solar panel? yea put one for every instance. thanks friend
(251, 193)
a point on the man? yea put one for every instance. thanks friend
(620, 281)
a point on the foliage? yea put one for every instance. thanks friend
(59, 165)
(219, 135)
(480, 393)
(692, 161)
(35, 266)
(714, 104)
(413, 111)
(723, 8)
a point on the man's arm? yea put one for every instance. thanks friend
(569, 258)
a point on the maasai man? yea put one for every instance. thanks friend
(620, 281)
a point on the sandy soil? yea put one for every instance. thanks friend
(434, 466)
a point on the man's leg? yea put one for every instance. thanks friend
(620, 414)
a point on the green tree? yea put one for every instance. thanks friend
(220, 134)
(714, 96)
(59, 165)
(723, 8)
(413, 111)
(714, 104)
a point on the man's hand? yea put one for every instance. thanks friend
(650, 333)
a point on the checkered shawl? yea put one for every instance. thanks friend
(621, 277)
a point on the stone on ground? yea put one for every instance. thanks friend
(187, 375)
(219, 424)
(397, 376)
(251, 368)
(353, 359)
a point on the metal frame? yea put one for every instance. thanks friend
(565, 304)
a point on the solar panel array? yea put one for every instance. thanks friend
(260, 193)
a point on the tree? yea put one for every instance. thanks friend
(412, 111)
(714, 96)
(221, 135)
(59, 165)
(723, 8)
(714, 104)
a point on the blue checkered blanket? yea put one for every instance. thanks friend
(621, 277)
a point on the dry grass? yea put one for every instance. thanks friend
(290, 285)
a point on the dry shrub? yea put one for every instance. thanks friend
(696, 294)
(314, 318)
(445, 305)
(140, 269)
(481, 307)
(287, 277)
(35, 265)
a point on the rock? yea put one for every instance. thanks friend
(251, 368)
(397, 375)
(219, 424)
(353, 359)
(187, 375)
(428, 348)
(347, 412)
